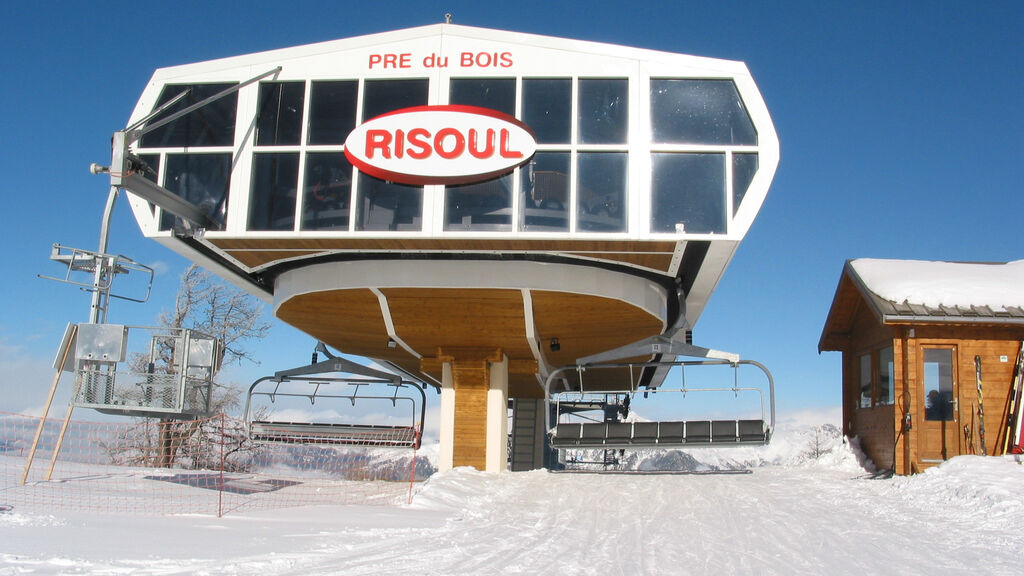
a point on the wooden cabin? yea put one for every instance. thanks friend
(910, 332)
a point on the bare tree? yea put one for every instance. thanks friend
(205, 304)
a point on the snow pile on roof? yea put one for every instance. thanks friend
(935, 284)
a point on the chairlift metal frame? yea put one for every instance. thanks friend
(612, 434)
(331, 433)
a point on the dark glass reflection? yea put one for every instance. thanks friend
(388, 206)
(493, 93)
(385, 205)
(151, 172)
(211, 125)
(601, 191)
(688, 193)
(327, 191)
(479, 206)
(938, 384)
(383, 96)
(332, 111)
(744, 166)
(699, 112)
(275, 178)
(203, 180)
(547, 109)
(279, 119)
(603, 110)
(544, 193)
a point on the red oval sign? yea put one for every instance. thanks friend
(448, 144)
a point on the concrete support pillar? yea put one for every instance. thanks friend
(474, 399)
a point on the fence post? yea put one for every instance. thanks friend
(220, 486)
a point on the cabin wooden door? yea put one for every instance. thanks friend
(941, 426)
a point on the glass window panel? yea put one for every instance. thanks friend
(699, 112)
(688, 193)
(327, 191)
(744, 166)
(603, 110)
(332, 111)
(480, 206)
(547, 109)
(211, 125)
(938, 384)
(279, 119)
(383, 96)
(203, 180)
(886, 376)
(388, 206)
(601, 191)
(275, 178)
(544, 194)
(865, 381)
(493, 93)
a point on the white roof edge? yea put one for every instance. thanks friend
(732, 67)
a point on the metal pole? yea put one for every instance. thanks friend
(49, 402)
(100, 295)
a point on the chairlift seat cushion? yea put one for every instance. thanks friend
(724, 431)
(332, 433)
(645, 431)
(618, 431)
(699, 431)
(752, 431)
(671, 432)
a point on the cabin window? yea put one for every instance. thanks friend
(275, 178)
(603, 110)
(544, 192)
(886, 377)
(601, 191)
(326, 191)
(210, 125)
(385, 205)
(383, 96)
(744, 166)
(332, 111)
(547, 109)
(203, 180)
(864, 376)
(688, 193)
(482, 205)
(699, 112)
(491, 93)
(938, 384)
(279, 118)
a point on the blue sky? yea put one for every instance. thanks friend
(899, 124)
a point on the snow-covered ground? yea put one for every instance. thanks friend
(792, 513)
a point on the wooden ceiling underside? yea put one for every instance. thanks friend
(260, 253)
(427, 321)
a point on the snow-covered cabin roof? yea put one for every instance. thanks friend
(918, 291)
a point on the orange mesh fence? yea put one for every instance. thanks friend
(208, 466)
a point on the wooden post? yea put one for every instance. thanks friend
(49, 400)
(471, 384)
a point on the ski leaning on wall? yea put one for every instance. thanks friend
(1014, 443)
(981, 408)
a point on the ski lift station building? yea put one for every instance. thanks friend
(472, 207)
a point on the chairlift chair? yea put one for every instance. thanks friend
(610, 432)
(396, 392)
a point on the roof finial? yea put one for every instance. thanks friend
(448, 18)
